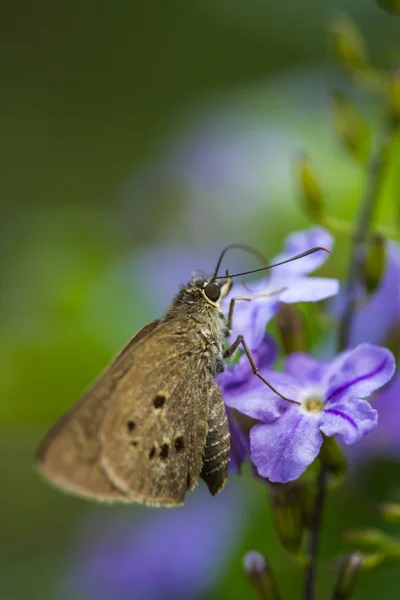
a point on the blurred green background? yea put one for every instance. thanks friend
(130, 129)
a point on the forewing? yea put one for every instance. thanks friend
(154, 433)
(70, 453)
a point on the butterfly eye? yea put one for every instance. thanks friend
(212, 291)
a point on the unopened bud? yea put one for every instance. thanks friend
(375, 263)
(394, 99)
(259, 572)
(312, 196)
(347, 576)
(332, 457)
(291, 328)
(350, 126)
(367, 538)
(348, 43)
(289, 510)
(373, 559)
(391, 6)
(390, 512)
(254, 563)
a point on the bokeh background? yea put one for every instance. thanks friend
(137, 138)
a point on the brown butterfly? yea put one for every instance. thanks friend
(154, 421)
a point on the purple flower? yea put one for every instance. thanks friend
(327, 397)
(385, 302)
(163, 555)
(287, 283)
(385, 440)
(377, 319)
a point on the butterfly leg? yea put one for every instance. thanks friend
(246, 299)
(240, 341)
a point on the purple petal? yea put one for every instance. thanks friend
(385, 302)
(384, 441)
(283, 450)
(300, 241)
(306, 369)
(309, 289)
(258, 401)
(358, 373)
(240, 443)
(352, 420)
(250, 319)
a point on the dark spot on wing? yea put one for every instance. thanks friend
(131, 425)
(179, 443)
(164, 452)
(159, 401)
(134, 443)
(152, 453)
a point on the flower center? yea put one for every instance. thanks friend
(313, 404)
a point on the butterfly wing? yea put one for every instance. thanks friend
(154, 432)
(138, 434)
(69, 456)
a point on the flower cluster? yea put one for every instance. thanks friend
(148, 555)
(315, 397)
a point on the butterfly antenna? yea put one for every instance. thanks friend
(283, 262)
(243, 247)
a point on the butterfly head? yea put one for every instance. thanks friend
(215, 291)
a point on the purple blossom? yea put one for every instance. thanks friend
(327, 397)
(287, 283)
(376, 319)
(385, 440)
(385, 302)
(163, 555)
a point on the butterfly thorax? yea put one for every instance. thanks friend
(207, 324)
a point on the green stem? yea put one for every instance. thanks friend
(315, 534)
(375, 173)
(354, 277)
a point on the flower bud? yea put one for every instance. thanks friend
(259, 572)
(372, 538)
(347, 576)
(289, 509)
(312, 196)
(350, 126)
(391, 6)
(375, 263)
(378, 546)
(333, 459)
(291, 328)
(348, 44)
(373, 559)
(390, 512)
(394, 99)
